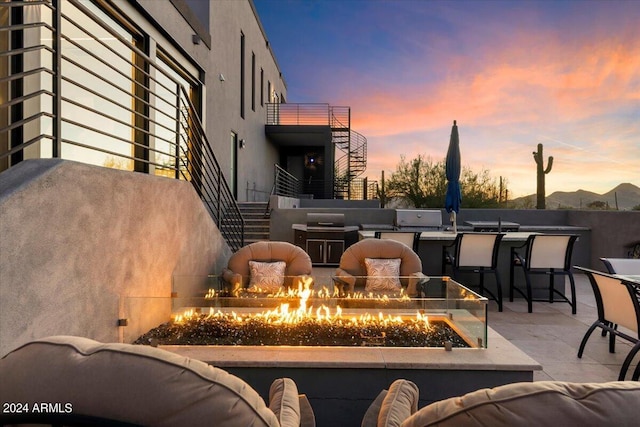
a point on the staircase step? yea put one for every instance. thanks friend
(256, 225)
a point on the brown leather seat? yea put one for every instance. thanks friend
(297, 260)
(352, 271)
(539, 403)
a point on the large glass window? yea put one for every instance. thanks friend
(128, 98)
(171, 110)
(99, 106)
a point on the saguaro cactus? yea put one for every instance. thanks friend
(541, 172)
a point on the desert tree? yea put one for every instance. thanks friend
(422, 183)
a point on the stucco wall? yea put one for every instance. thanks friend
(226, 22)
(81, 245)
(612, 232)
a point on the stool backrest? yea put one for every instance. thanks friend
(550, 251)
(477, 249)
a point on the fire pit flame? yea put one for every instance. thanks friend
(292, 320)
(283, 314)
(304, 290)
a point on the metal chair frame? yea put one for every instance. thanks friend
(530, 266)
(617, 303)
(457, 260)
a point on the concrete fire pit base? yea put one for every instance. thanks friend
(341, 382)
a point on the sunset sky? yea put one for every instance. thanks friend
(512, 73)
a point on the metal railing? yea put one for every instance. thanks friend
(285, 184)
(350, 146)
(73, 95)
(306, 114)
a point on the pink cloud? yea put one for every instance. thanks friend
(560, 88)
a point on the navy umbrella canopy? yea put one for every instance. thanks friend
(453, 166)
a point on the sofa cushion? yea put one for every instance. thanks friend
(400, 402)
(383, 274)
(266, 276)
(129, 383)
(370, 418)
(284, 402)
(537, 404)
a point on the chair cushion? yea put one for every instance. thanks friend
(266, 276)
(383, 274)
(297, 260)
(536, 404)
(352, 260)
(129, 383)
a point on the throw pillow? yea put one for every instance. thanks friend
(399, 404)
(284, 401)
(382, 274)
(266, 276)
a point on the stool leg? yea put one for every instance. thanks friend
(529, 294)
(574, 305)
(499, 284)
(511, 271)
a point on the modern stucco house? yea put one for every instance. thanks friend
(129, 130)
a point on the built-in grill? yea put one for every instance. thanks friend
(324, 237)
(493, 226)
(333, 222)
(418, 219)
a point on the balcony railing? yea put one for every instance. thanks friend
(308, 115)
(84, 92)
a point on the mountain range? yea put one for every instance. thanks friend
(624, 196)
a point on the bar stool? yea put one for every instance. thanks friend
(411, 239)
(476, 253)
(548, 254)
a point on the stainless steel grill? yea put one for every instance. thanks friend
(325, 221)
(418, 220)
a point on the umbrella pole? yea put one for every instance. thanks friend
(452, 218)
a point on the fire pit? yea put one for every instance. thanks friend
(341, 381)
(305, 317)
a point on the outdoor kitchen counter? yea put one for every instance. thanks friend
(305, 227)
(515, 236)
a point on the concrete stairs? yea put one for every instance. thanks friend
(256, 225)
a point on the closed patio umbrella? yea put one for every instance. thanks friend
(454, 196)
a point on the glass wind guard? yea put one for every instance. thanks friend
(199, 304)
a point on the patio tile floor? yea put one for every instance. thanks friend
(551, 335)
